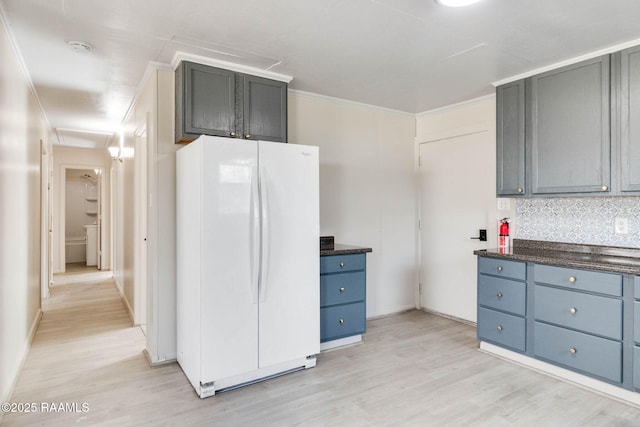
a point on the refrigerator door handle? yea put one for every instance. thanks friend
(264, 234)
(255, 235)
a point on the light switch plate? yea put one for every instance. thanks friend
(621, 225)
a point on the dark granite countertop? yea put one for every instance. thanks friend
(605, 258)
(339, 249)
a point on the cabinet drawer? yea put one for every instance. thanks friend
(342, 321)
(588, 313)
(501, 329)
(593, 281)
(576, 350)
(636, 286)
(339, 263)
(342, 288)
(499, 267)
(502, 294)
(636, 321)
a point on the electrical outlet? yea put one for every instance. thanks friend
(504, 204)
(621, 225)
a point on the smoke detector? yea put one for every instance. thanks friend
(80, 47)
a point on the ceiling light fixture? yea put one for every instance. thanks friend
(80, 47)
(456, 3)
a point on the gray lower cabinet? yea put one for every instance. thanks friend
(630, 120)
(510, 141)
(568, 130)
(502, 303)
(636, 333)
(569, 317)
(342, 296)
(219, 102)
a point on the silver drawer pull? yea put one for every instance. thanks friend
(573, 310)
(499, 268)
(341, 321)
(341, 264)
(341, 290)
(499, 328)
(573, 351)
(572, 279)
(499, 295)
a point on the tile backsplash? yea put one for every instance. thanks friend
(587, 220)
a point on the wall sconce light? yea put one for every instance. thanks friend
(120, 153)
(114, 152)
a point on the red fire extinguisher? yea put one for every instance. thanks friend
(503, 235)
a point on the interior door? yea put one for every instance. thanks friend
(457, 198)
(290, 277)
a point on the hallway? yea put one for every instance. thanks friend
(87, 355)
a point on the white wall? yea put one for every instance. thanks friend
(22, 128)
(78, 158)
(367, 188)
(153, 112)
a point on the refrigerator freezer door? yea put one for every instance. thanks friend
(289, 287)
(229, 321)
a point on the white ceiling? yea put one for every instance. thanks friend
(407, 55)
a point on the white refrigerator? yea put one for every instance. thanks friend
(248, 297)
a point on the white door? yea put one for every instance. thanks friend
(229, 301)
(289, 286)
(457, 177)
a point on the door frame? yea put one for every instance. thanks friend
(140, 289)
(62, 213)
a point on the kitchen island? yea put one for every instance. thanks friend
(569, 310)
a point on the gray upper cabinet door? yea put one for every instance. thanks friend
(569, 133)
(205, 101)
(630, 120)
(510, 142)
(264, 112)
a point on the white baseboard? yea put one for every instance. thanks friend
(448, 316)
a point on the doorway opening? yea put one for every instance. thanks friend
(81, 230)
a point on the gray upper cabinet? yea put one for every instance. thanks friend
(568, 132)
(219, 102)
(205, 101)
(264, 109)
(510, 142)
(630, 120)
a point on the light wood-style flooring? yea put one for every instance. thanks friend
(414, 369)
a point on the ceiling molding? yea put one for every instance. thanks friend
(184, 56)
(456, 105)
(570, 61)
(347, 102)
(4, 22)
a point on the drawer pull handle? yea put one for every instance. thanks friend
(232, 134)
(604, 188)
(519, 190)
(341, 290)
(499, 268)
(499, 328)
(572, 279)
(341, 321)
(573, 310)
(341, 264)
(247, 136)
(573, 351)
(499, 295)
